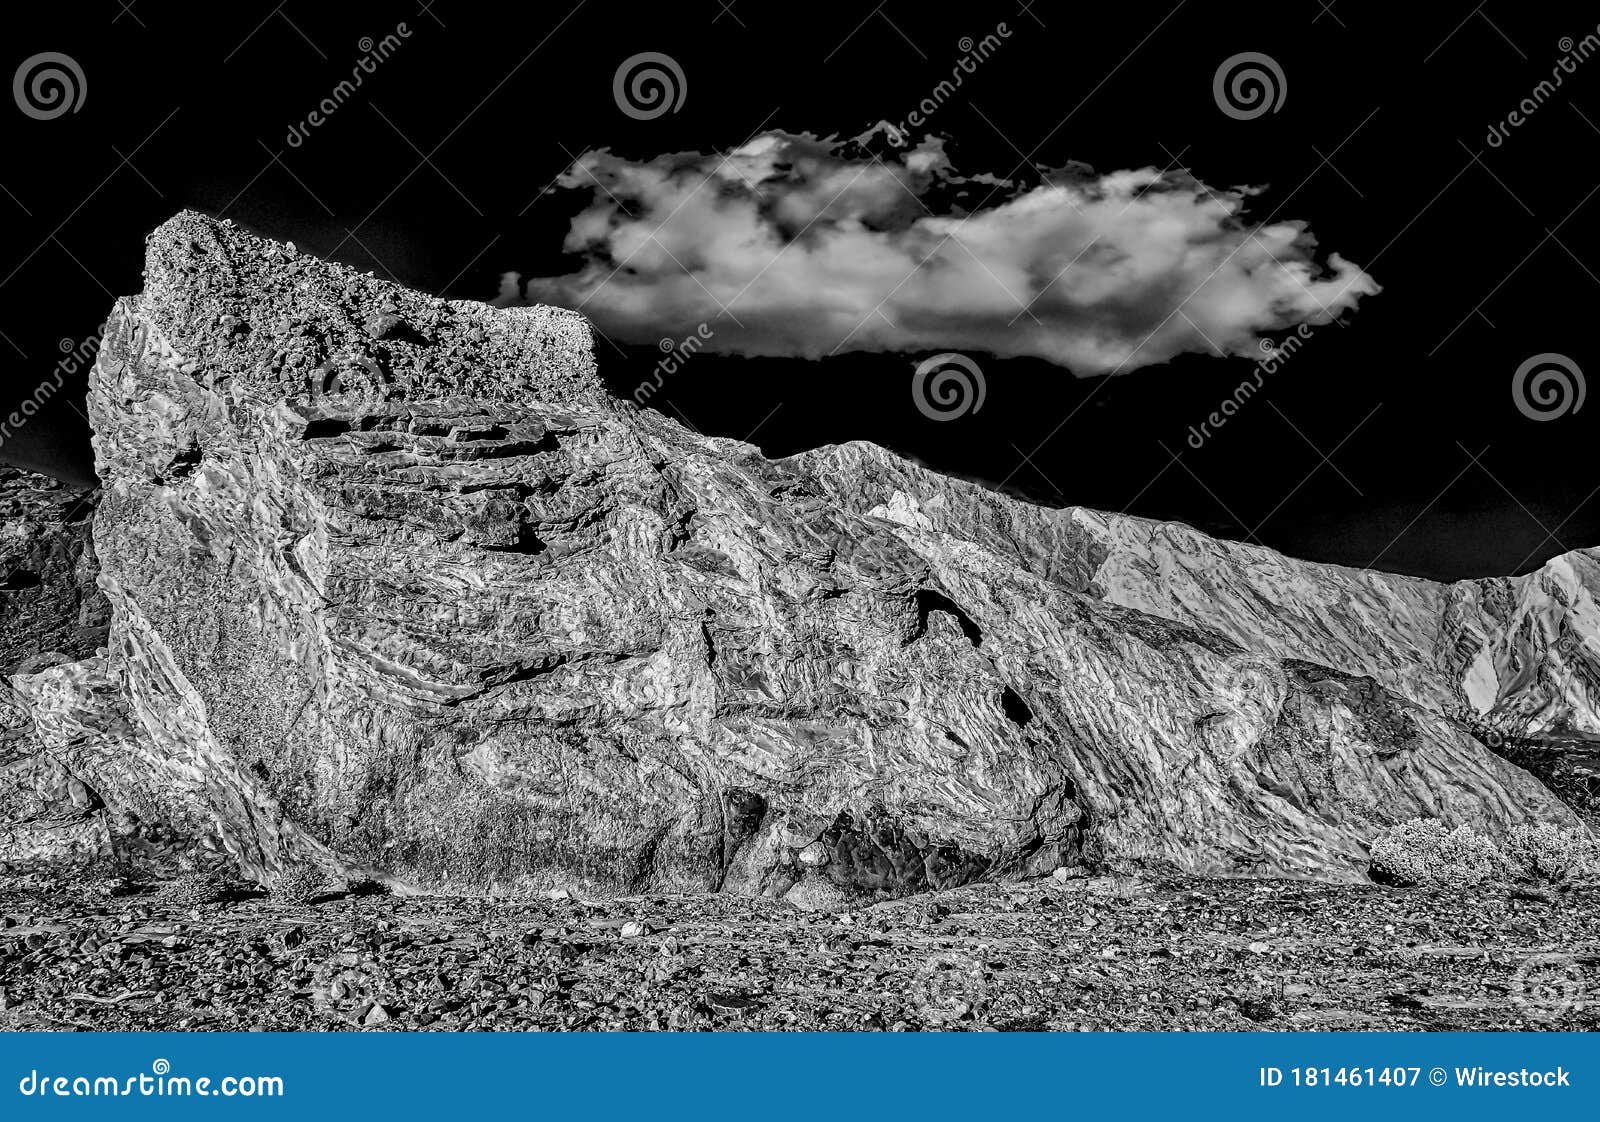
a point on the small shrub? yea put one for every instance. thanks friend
(356, 884)
(300, 883)
(111, 876)
(195, 887)
(1423, 851)
(1544, 851)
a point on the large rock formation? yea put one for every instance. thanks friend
(397, 587)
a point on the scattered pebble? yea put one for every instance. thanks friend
(1149, 955)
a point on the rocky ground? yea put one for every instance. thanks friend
(1084, 953)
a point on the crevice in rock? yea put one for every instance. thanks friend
(1016, 709)
(181, 466)
(876, 854)
(645, 864)
(521, 672)
(324, 427)
(505, 448)
(462, 434)
(742, 814)
(527, 542)
(392, 329)
(932, 600)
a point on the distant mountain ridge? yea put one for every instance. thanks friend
(1523, 650)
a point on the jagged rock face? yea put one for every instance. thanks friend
(1538, 661)
(51, 613)
(50, 608)
(1523, 648)
(397, 587)
(46, 812)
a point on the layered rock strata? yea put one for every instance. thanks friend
(397, 588)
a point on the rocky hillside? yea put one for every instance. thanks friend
(398, 590)
(51, 613)
(1522, 652)
(50, 609)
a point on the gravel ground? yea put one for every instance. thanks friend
(1078, 954)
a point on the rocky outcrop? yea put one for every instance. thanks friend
(50, 608)
(46, 812)
(51, 613)
(397, 587)
(1524, 651)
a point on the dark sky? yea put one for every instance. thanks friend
(1390, 438)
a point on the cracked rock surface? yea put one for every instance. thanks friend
(50, 609)
(398, 592)
(51, 613)
(1525, 649)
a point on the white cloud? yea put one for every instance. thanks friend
(791, 245)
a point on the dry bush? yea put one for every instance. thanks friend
(1423, 851)
(1544, 851)
(300, 883)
